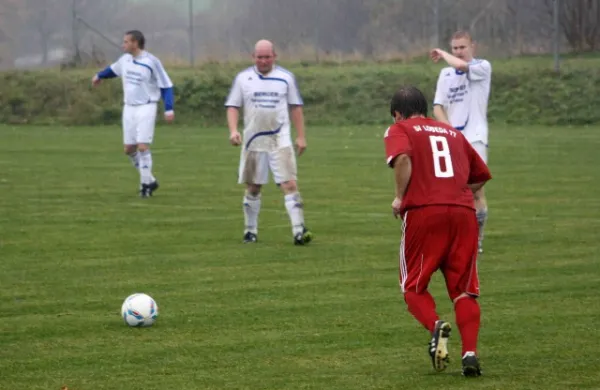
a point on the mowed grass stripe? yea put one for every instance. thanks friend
(75, 241)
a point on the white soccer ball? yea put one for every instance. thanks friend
(139, 310)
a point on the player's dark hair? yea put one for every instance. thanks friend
(137, 36)
(408, 101)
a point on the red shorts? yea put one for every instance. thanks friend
(444, 238)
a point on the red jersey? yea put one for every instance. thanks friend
(443, 163)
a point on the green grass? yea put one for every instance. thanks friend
(76, 240)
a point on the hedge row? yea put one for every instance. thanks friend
(523, 92)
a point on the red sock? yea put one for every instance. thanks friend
(468, 317)
(422, 307)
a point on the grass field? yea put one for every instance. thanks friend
(76, 240)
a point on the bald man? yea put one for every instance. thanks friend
(269, 96)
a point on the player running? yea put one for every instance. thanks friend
(436, 172)
(145, 81)
(269, 95)
(461, 100)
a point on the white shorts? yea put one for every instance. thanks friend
(481, 149)
(138, 123)
(254, 166)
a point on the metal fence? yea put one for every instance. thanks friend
(37, 33)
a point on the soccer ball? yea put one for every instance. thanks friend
(139, 310)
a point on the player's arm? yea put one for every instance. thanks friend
(296, 103)
(402, 172)
(111, 71)
(297, 115)
(165, 84)
(439, 113)
(440, 101)
(234, 101)
(398, 150)
(233, 117)
(107, 73)
(479, 70)
(455, 62)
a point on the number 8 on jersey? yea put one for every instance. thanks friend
(442, 161)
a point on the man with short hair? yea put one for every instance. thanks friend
(145, 81)
(436, 173)
(461, 100)
(269, 95)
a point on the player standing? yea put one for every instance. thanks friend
(461, 100)
(145, 81)
(436, 172)
(269, 95)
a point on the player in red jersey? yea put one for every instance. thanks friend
(436, 172)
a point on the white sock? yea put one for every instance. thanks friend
(295, 209)
(145, 166)
(251, 211)
(135, 160)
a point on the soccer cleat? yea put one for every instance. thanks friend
(250, 237)
(438, 346)
(480, 247)
(470, 365)
(147, 189)
(303, 238)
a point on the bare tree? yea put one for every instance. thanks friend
(580, 21)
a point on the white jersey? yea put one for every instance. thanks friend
(143, 77)
(464, 96)
(265, 99)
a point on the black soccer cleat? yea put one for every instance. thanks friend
(147, 189)
(250, 237)
(470, 365)
(438, 346)
(303, 238)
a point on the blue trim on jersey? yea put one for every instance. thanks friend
(260, 76)
(261, 133)
(107, 73)
(168, 97)
(461, 128)
(295, 85)
(144, 65)
(459, 72)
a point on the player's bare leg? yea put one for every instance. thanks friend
(482, 213)
(295, 209)
(148, 181)
(468, 317)
(251, 205)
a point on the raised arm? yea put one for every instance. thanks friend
(455, 62)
